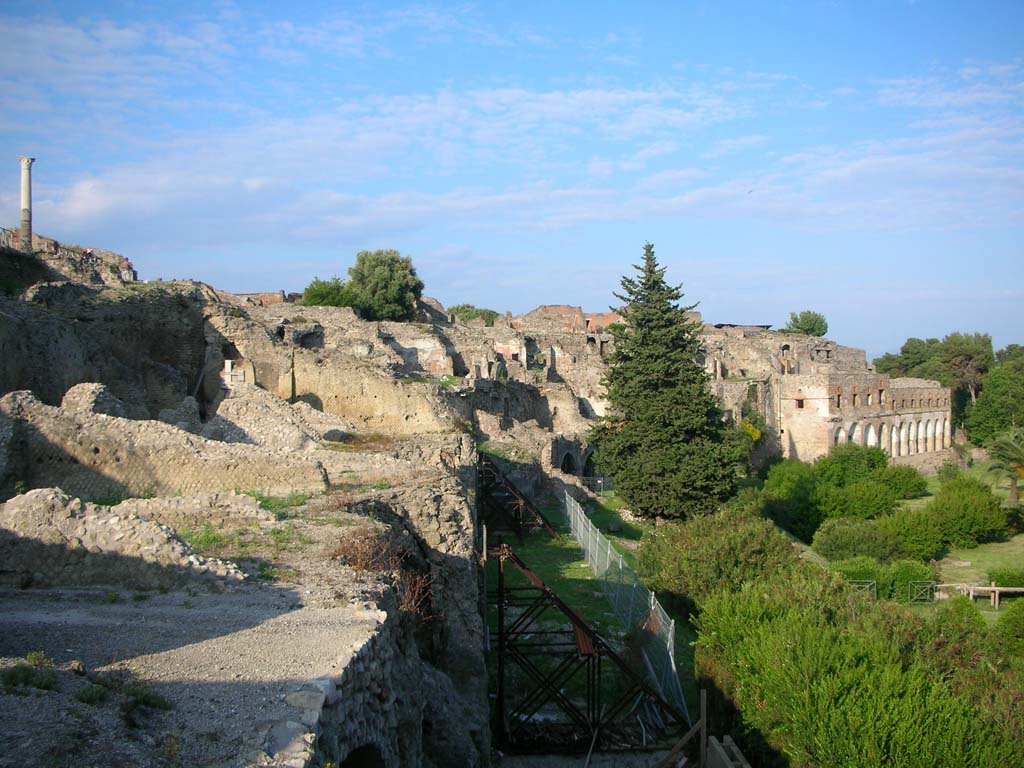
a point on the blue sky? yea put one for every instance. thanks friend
(865, 160)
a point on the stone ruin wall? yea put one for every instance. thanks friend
(48, 538)
(94, 455)
(908, 419)
(75, 262)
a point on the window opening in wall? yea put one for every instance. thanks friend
(856, 397)
(912, 403)
(839, 401)
(881, 397)
(799, 402)
(869, 398)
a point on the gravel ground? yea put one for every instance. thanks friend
(224, 661)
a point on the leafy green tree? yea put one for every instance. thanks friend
(327, 293)
(1007, 453)
(967, 356)
(1000, 405)
(663, 439)
(467, 312)
(807, 322)
(385, 285)
(1010, 353)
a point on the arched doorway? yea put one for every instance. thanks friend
(870, 438)
(589, 470)
(568, 463)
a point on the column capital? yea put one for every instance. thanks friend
(26, 162)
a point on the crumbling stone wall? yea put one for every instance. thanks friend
(94, 455)
(144, 342)
(48, 538)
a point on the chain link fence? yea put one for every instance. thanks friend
(634, 605)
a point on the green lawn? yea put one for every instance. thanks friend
(972, 565)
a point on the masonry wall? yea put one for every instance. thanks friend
(93, 455)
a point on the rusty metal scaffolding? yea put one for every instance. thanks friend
(575, 690)
(504, 506)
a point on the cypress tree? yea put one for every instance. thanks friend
(663, 438)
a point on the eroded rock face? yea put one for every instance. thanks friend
(49, 538)
(93, 398)
(93, 455)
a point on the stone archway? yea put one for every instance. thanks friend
(589, 470)
(883, 437)
(568, 465)
(852, 435)
(840, 437)
(921, 445)
(870, 436)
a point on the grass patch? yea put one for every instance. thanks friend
(24, 675)
(970, 566)
(279, 505)
(287, 536)
(92, 695)
(369, 441)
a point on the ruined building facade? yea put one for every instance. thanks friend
(811, 392)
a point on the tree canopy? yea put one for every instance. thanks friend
(959, 361)
(382, 285)
(1000, 405)
(806, 322)
(663, 438)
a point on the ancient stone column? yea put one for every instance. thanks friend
(26, 203)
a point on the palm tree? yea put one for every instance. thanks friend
(1007, 453)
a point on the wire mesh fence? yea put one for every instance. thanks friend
(635, 607)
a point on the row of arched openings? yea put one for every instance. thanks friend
(903, 439)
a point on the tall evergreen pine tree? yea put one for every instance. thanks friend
(663, 438)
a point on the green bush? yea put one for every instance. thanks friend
(864, 498)
(468, 312)
(849, 462)
(903, 480)
(830, 682)
(791, 498)
(1009, 630)
(968, 512)
(900, 573)
(949, 470)
(1007, 577)
(863, 568)
(919, 532)
(843, 538)
(703, 555)
(327, 293)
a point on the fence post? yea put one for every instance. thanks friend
(703, 728)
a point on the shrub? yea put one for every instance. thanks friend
(864, 498)
(900, 573)
(791, 500)
(919, 532)
(849, 462)
(26, 675)
(968, 512)
(468, 312)
(863, 568)
(1009, 630)
(328, 293)
(903, 480)
(1007, 577)
(704, 555)
(92, 695)
(825, 690)
(949, 470)
(843, 538)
